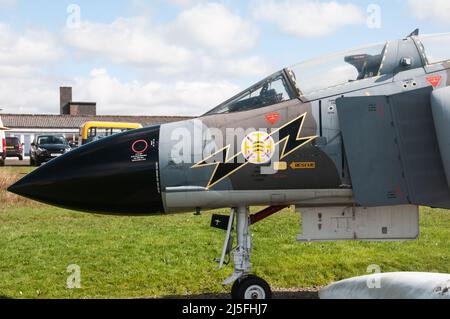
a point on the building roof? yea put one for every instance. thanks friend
(44, 121)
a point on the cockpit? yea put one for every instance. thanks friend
(307, 77)
(314, 76)
(272, 90)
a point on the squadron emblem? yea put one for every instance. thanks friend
(258, 147)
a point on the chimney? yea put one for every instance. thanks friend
(65, 97)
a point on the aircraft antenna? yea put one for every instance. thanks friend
(415, 33)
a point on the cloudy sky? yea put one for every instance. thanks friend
(180, 57)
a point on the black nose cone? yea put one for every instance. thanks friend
(117, 175)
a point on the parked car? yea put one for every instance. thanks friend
(47, 147)
(2, 144)
(14, 148)
(2, 148)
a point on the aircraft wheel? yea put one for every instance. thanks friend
(234, 289)
(251, 287)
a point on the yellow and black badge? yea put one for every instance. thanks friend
(258, 147)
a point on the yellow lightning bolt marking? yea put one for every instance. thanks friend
(227, 160)
(203, 163)
(297, 138)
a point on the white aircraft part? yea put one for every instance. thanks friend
(359, 223)
(400, 285)
(226, 244)
(176, 199)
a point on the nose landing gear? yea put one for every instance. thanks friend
(245, 285)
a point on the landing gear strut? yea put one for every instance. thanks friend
(245, 286)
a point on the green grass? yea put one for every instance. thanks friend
(135, 257)
(172, 255)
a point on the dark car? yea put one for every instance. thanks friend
(14, 148)
(2, 149)
(47, 147)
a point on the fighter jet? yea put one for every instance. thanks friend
(356, 141)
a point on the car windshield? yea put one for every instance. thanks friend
(273, 89)
(45, 140)
(12, 141)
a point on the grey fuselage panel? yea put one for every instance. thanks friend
(324, 163)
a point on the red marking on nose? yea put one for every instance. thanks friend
(273, 118)
(434, 80)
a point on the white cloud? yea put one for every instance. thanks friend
(308, 18)
(198, 82)
(7, 3)
(184, 74)
(253, 66)
(151, 98)
(129, 41)
(28, 93)
(184, 3)
(24, 88)
(34, 46)
(213, 26)
(182, 48)
(14, 71)
(434, 10)
(211, 68)
(40, 94)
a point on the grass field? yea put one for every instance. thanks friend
(135, 257)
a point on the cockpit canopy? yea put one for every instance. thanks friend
(308, 77)
(272, 90)
(314, 76)
(434, 47)
(339, 68)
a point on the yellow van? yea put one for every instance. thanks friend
(92, 131)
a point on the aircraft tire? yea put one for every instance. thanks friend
(251, 287)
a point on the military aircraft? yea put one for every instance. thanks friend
(355, 140)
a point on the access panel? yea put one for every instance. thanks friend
(387, 223)
(392, 150)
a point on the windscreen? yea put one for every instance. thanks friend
(272, 90)
(46, 140)
(12, 141)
